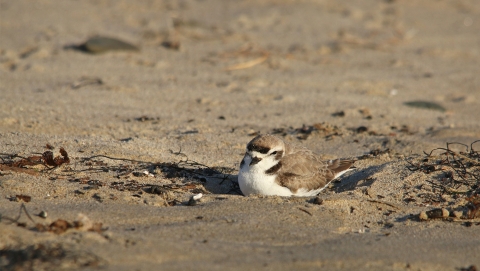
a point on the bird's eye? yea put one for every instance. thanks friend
(273, 153)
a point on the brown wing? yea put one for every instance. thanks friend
(302, 169)
(337, 166)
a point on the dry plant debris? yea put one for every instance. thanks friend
(59, 226)
(185, 175)
(330, 131)
(184, 168)
(24, 198)
(82, 223)
(8, 161)
(57, 161)
(321, 129)
(455, 174)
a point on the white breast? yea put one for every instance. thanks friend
(253, 180)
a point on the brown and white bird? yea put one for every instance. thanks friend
(272, 167)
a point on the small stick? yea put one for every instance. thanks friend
(305, 211)
(384, 202)
(15, 220)
(248, 64)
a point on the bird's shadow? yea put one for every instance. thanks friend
(358, 178)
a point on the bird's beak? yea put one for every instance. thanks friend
(255, 160)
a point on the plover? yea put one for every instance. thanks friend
(272, 167)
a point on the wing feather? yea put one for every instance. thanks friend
(301, 168)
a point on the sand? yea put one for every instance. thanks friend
(333, 76)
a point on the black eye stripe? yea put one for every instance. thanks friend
(260, 149)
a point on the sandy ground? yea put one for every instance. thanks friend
(333, 76)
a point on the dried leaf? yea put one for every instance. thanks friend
(62, 160)
(48, 158)
(25, 198)
(57, 161)
(59, 226)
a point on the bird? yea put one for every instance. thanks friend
(273, 167)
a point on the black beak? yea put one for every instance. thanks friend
(255, 160)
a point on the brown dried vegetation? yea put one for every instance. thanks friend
(9, 162)
(454, 174)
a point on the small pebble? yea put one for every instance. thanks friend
(146, 173)
(197, 196)
(458, 214)
(43, 214)
(194, 199)
(445, 213)
(423, 216)
(318, 201)
(362, 129)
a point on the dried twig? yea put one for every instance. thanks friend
(305, 211)
(248, 64)
(460, 169)
(15, 220)
(384, 202)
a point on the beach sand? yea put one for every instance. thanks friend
(146, 129)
